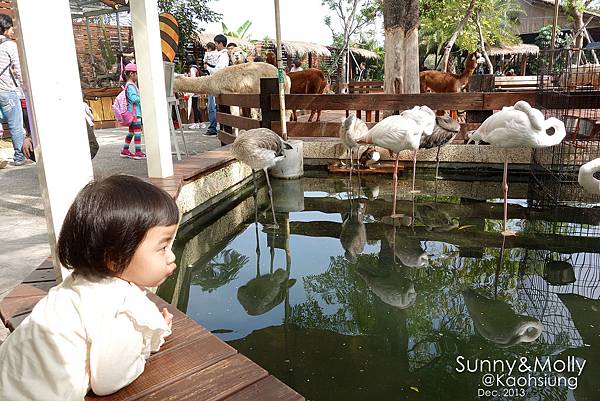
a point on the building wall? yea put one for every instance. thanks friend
(539, 14)
(83, 48)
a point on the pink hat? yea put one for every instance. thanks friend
(131, 67)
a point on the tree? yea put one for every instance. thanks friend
(238, 33)
(457, 31)
(353, 15)
(575, 10)
(498, 20)
(401, 21)
(188, 13)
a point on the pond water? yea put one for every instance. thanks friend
(341, 302)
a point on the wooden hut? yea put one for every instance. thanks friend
(513, 57)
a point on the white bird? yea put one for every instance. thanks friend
(353, 129)
(261, 149)
(444, 133)
(517, 127)
(586, 177)
(402, 132)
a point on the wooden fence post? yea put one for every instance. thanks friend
(479, 83)
(227, 110)
(268, 87)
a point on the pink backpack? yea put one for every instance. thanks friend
(119, 107)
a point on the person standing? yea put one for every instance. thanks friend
(133, 105)
(10, 81)
(296, 66)
(363, 73)
(223, 61)
(194, 71)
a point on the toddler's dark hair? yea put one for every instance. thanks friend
(108, 220)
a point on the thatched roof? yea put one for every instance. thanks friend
(364, 53)
(203, 38)
(515, 49)
(299, 49)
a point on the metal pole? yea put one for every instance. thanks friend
(555, 22)
(119, 32)
(280, 73)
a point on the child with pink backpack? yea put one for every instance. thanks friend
(128, 111)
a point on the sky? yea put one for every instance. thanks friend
(301, 20)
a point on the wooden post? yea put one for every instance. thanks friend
(151, 79)
(524, 64)
(91, 50)
(55, 105)
(268, 87)
(224, 109)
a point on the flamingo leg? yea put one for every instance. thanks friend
(395, 185)
(505, 230)
(351, 162)
(437, 164)
(414, 172)
(275, 226)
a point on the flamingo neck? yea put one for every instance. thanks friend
(559, 132)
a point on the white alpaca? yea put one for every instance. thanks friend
(240, 78)
(237, 56)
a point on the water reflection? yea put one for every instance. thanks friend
(353, 235)
(434, 218)
(391, 286)
(497, 322)
(263, 293)
(379, 309)
(406, 248)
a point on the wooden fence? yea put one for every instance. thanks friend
(478, 106)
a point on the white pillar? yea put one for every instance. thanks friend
(148, 56)
(48, 61)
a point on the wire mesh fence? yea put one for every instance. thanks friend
(568, 89)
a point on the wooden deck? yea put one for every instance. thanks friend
(193, 364)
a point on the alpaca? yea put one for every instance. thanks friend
(309, 81)
(239, 78)
(444, 82)
(237, 56)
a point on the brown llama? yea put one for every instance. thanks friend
(444, 82)
(309, 81)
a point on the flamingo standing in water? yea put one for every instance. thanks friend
(353, 129)
(586, 177)
(261, 149)
(519, 126)
(444, 133)
(402, 132)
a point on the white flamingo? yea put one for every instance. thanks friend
(261, 149)
(519, 126)
(586, 177)
(402, 132)
(353, 129)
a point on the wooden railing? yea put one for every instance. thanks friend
(478, 106)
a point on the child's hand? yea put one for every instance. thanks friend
(168, 316)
